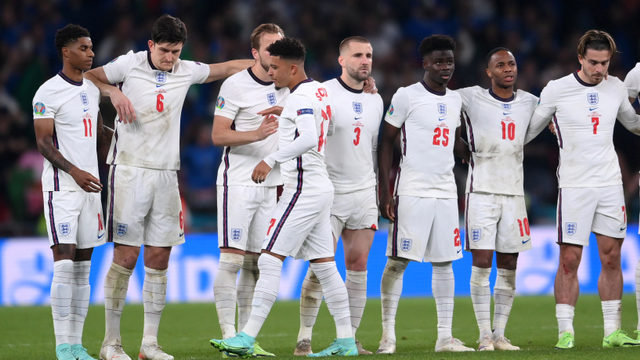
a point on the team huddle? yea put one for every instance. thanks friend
(321, 142)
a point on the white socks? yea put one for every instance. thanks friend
(246, 286)
(81, 292)
(61, 294)
(564, 314)
(356, 284)
(503, 293)
(224, 292)
(481, 298)
(612, 313)
(265, 293)
(115, 292)
(310, 299)
(335, 295)
(154, 294)
(443, 288)
(390, 290)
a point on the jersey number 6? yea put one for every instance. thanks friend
(159, 103)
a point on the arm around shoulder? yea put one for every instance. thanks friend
(222, 70)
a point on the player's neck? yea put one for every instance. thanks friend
(351, 82)
(433, 85)
(583, 76)
(297, 78)
(260, 73)
(504, 93)
(72, 73)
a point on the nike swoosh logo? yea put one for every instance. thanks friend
(504, 113)
(85, 110)
(592, 108)
(357, 118)
(623, 228)
(100, 236)
(440, 119)
(459, 251)
(159, 85)
(524, 242)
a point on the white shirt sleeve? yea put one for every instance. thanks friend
(199, 71)
(399, 108)
(466, 94)
(543, 112)
(628, 117)
(45, 104)
(632, 82)
(118, 68)
(229, 100)
(307, 133)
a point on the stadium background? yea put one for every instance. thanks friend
(542, 35)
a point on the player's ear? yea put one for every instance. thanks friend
(150, 43)
(65, 52)
(425, 64)
(255, 54)
(341, 60)
(489, 73)
(293, 69)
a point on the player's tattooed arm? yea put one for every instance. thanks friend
(44, 138)
(222, 70)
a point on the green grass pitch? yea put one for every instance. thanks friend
(27, 332)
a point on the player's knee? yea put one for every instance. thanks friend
(507, 261)
(356, 263)
(570, 261)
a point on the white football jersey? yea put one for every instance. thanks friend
(353, 137)
(496, 129)
(240, 99)
(74, 107)
(632, 82)
(428, 121)
(585, 115)
(306, 172)
(153, 140)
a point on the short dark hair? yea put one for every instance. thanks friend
(492, 52)
(68, 35)
(269, 28)
(598, 41)
(288, 49)
(169, 29)
(346, 42)
(436, 43)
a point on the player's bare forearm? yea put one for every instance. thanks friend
(46, 148)
(223, 135)
(99, 79)
(460, 147)
(385, 159)
(222, 70)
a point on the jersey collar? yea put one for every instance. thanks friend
(67, 79)
(509, 99)
(575, 74)
(349, 88)
(301, 82)
(256, 79)
(438, 93)
(153, 67)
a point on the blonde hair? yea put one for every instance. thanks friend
(269, 28)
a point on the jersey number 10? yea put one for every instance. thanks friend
(508, 131)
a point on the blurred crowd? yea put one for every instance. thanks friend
(542, 34)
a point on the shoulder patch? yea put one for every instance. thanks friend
(39, 108)
(305, 111)
(114, 60)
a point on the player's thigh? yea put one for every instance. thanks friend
(444, 239)
(236, 207)
(61, 211)
(364, 210)
(295, 215)
(409, 235)
(319, 241)
(574, 218)
(514, 234)
(482, 214)
(262, 218)
(165, 225)
(131, 193)
(91, 232)
(610, 218)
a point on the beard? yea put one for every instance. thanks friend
(355, 75)
(264, 65)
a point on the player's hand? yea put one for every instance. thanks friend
(260, 172)
(85, 180)
(274, 110)
(268, 127)
(124, 107)
(387, 207)
(552, 128)
(370, 86)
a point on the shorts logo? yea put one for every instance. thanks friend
(476, 234)
(374, 227)
(271, 98)
(220, 102)
(84, 98)
(236, 234)
(570, 228)
(592, 98)
(390, 112)
(305, 111)
(442, 109)
(405, 244)
(64, 228)
(121, 229)
(161, 77)
(39, 108)
(357, 107)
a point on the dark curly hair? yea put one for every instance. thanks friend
(492, 52)
(288, 48)
(436, 43)
(169, 29)
(68, 35)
